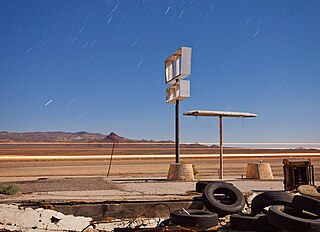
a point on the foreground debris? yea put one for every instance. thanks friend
(222, 207)
(15, 218)
(269, 211)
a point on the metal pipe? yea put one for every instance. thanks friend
(177, 133)
(221, 150)
(111, 159)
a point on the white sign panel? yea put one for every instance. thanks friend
(178, 91)
(178, 65)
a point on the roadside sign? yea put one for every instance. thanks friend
(178, 65)
(178, 91)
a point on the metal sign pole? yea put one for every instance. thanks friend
(177, 133)
(221, 149)
(177, 68)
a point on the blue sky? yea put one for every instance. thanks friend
(97, 66)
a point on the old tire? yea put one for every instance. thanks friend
(232, 200)
(197, 218)
(291, 223)
(270, 198)
(263, 225)
(242, 222)
(309, 204)
(258, 223)
(200, 185)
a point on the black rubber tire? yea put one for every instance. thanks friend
(291, 210)
(200, 185)
(243, 222)
(263, 225)
(291, 223)
(258, 223)
(197, 218)
(233, 204)
(296, 212)
(270, 198)
(309, 204)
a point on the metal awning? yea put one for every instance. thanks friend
(219, 113)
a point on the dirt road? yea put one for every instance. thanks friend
(207, 168)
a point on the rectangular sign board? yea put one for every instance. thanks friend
(178, 65)
(178, 91)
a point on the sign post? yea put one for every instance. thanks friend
(177, 68)
(177, 133)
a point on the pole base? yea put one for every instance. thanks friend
(260, 171)
(181, 172)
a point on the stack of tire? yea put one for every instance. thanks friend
(220, 199)
(285, 212)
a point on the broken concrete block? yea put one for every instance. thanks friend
(15, 218)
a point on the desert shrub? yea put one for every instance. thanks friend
(9, 189)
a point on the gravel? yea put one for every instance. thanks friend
(65, 184)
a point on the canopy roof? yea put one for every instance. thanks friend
(219, 113)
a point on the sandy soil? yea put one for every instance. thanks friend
(48, 149)
(88, 174)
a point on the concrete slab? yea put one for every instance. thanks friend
(15, 218)
(138, 190)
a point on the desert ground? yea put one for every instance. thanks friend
(29, 162)
(134, 168)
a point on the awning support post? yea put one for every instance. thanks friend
(221, 150)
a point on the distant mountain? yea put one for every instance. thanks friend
(58, 136)
(81, 136)
(194, 145)
(114, 138)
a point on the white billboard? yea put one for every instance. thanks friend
(178, 65)
(178, 91)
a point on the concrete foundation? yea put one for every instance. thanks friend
(181, 172)
(259, 171)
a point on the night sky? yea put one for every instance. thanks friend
(98, 66)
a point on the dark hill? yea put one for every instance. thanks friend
(80, 137)
(57, 136)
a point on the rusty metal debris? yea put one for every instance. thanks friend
(297, 172)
